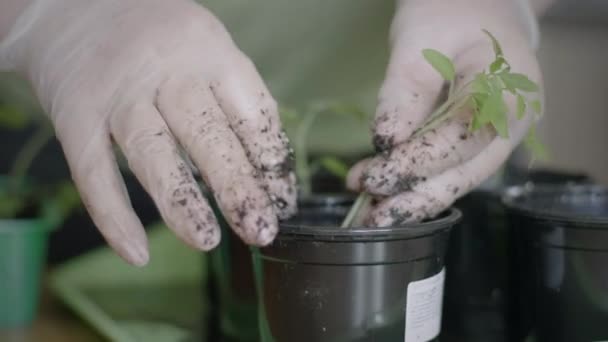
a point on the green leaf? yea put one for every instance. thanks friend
(12, 118)
(495, 44)
(348, 109)
(499, 64)
(67, 199)
(10, 205)
(335, 166)
(536, 107)
(494, 111)
(480, 84)
(518, 81)
(473, 102)
(477, 102)
(501, 125)
(441, 63)
(521, 107)
(485, 110)
(496, 84)
(475, 124)
(288, 114)
(536, 148)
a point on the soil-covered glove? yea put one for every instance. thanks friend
(156, 76)
(418, 177)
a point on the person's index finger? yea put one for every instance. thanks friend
(201, 127)
(154, 158)
(254, 117)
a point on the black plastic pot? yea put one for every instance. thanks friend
(476, 264)
(234, 304)
(478, 297)
(561, 258)
(324, 283)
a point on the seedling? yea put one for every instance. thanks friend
(485, 96)
(305, 168)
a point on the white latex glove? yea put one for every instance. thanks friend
(154, 76)
(415, 178)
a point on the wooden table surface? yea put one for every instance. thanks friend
(55, 323)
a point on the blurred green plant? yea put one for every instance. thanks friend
(19, 195)
(302, 123)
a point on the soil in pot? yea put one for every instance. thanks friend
(321, 283)
(562, 253)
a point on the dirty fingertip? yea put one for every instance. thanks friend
(355, 175)
(254, 221)
(283, 195)
(208, 239)
(266, 237)
(202, 232)
(393, 217)
(262, 231)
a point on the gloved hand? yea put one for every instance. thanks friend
(154, 76)
(418, 177)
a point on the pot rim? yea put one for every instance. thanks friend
(444, 221)
(45, 222)
(512, 200)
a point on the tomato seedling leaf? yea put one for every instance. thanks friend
(518, 81)
(536, 107)
(335, 166)
(495, 45)
(441, 63)
(494, 111)
(521, 107)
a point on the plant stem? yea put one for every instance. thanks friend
(451, 89)
(301, 150)
(361, 201)
(28, 153)
(429, 125)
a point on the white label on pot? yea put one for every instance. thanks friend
(423, 311)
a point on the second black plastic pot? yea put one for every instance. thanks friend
(477, 294)
(561, 239)
(325, 283)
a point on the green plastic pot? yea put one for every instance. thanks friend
(23, 246)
